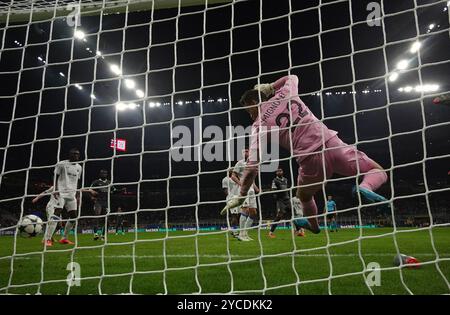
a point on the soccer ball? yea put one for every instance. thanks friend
(31, 225)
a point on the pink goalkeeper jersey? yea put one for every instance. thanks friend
(308, 132)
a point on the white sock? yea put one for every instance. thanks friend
(242, 221)
(68, 227)
(51, 227)
(248, 224)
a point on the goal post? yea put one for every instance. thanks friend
(150, 92)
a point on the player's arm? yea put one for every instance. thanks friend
(89, 191)
(235, 178)
(42, 194)
(55, 184)
(288, 85)
(274, 185)
(255, 188)
(79, 188)
(250, 173)
(258, 139)
(251, 169)
(225, 187)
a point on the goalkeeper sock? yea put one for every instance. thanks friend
(248, 224)
(374, 179)
(67, 229)
(242, 221)
(310, 209)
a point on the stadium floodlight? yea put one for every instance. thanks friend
(93, 96)
(78, 86)
(79, 34)
(402, 64)
(121, 106)
(401, 89)
(140, 93)
(415, 47)
(220, 100)
(431, 26)
(393, 77)
(158, 104)
(130, 83)
(152, 104)
(427, 88)
(180, 103)
(98, 53)
(115, 69)
(408, 89)
(40, 58)
(132, 105)
(61, 74)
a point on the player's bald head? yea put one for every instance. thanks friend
(74, 155)
(103, 173)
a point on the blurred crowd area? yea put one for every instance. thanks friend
(415, 205)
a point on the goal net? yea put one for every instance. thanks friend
(149, 93)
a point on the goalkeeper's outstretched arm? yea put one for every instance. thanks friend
(247, 181)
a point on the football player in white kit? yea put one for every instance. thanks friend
(231, 189)
(53, 205)
(52, 219)
(67, 175)
(249, 207)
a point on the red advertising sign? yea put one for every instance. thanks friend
(119, 144)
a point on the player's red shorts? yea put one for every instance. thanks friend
(339, 158)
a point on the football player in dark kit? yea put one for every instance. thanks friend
(280, 184)
(101, 186)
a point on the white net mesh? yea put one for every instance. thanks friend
(149, 91)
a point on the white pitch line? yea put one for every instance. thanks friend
(250, 256)
(442, 255)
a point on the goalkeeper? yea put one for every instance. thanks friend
(315, 147)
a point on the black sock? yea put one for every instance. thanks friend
(273, 227)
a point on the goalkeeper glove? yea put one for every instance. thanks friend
(232, 203)
(267, 89)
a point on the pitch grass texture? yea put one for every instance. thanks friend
(149, 263)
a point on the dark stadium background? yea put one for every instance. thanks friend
(71, 129)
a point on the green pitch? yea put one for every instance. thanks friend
(145, 263)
